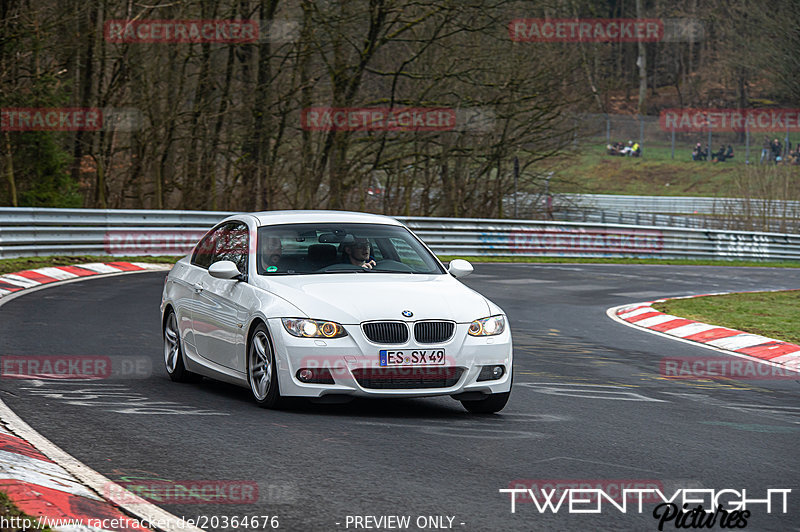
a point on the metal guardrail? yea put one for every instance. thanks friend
(29, 232)
(679, 204)
(775, 225)
(740, 214)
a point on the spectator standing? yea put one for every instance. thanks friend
(777, 148)
(766, 149)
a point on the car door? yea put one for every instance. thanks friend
(187, 285)
(218, 313)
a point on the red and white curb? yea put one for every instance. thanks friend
(15, 282)
(730, 341)
(44, 481)
(41, 488)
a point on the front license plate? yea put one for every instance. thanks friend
(411, 357)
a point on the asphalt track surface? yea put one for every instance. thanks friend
(588, 405)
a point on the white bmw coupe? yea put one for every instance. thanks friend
(329, 305)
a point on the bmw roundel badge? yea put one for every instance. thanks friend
(407, 313)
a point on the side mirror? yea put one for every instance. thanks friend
(224, 269)
(459, 268)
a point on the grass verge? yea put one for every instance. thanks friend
(669, 262)
(29, 263)
(11, 515)
(591, 170)
(771, 314)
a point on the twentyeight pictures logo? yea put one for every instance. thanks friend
(683, 508)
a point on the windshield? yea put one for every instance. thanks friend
(324, 248)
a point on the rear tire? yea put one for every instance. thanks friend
(173, 352)
(262, 373)
(492, 403)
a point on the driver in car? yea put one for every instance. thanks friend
(358, 253)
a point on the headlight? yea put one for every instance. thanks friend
(490, 326)
(305, 328)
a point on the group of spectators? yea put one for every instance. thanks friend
(632, 149)
(720, 156)
(794, 156)
(772, 151)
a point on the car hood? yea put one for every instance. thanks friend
(350, 298)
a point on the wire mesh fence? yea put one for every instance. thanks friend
(649, 133)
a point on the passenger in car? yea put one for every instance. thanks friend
(357, 253)
(270, 251)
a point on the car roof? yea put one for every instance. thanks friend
(312, 216)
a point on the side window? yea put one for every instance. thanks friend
(232, 245)
(204, 252)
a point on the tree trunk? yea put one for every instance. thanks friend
(86, 97)
(100, 188)
(12, 187)
(642, 63)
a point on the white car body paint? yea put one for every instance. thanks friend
(215, 317)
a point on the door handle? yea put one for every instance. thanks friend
(198, 287)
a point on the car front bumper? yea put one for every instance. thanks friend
(349, 356)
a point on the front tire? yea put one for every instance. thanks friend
(173, 352)
(492, 403)
(262, 373)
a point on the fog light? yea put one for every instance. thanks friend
(498, 371)
(315, 376)
(491, 373)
